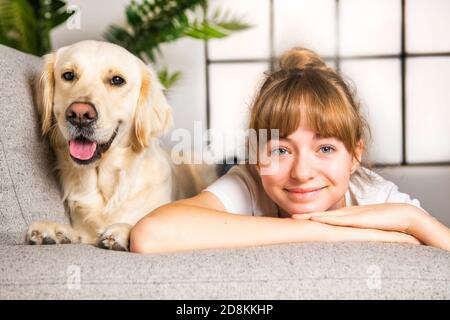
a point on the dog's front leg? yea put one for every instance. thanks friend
(115, 237)
(49, 232)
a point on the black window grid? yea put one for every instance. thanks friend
(337, 58)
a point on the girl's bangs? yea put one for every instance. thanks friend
(316, 104)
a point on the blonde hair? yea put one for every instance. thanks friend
(304, 88)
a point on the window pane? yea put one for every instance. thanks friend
(249, 44)
(428, 109)
(379, 90)
(427, 25)
(232, 87)
(369, 27)
(305, 23)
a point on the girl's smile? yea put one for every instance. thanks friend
(303, 194)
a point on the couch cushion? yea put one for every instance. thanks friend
(28, 188)
(293, 271)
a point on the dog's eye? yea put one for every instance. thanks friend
(117, 81)
(69, 76)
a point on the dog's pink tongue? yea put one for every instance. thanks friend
(82, 150)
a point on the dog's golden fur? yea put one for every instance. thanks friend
(135, 175)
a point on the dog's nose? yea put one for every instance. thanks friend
(81, 114)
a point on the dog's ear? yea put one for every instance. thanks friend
(45, 88)
(153, 115)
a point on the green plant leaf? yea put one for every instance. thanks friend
(19, 25)
(168, 79)
(118, 35)
(228, 22)
(60, 18)
(57, 5)
(133, 16)
(219, 25)
(234, 25)
(205, 31)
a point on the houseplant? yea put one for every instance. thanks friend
(151, 23)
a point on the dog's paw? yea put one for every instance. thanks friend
(48, 232)
(115, 237)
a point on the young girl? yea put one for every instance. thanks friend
(312, 176)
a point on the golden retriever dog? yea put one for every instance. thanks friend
(103, 110)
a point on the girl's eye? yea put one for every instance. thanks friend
(68, 76)
(327, 149)
(279, 151)
(117, 81)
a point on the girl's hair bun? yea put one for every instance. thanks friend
(300, 58)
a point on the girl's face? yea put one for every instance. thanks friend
(306, 172)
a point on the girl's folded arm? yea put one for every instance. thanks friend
(429, 230)
(201, 223)
(399, 217)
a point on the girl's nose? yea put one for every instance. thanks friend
(302, 168)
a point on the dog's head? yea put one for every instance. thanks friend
(96, 93)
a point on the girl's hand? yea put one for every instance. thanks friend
(397, 217)
(386, 216)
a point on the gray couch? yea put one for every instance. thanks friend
(29, 192)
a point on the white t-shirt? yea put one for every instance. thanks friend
(241, 192)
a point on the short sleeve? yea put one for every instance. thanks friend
(379, 190)
(395, 196)
(233, 192)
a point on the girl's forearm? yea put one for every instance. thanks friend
(429, 230)
(181, 227)
(173, 228)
